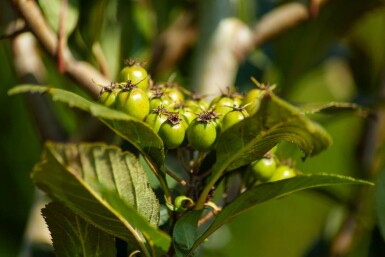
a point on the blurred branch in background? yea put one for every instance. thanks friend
(232, 42)
(174, 42)
(82, 73)
(13, 29)
(224, 54)
(282, 19)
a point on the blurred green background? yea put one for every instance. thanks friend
(339, 55)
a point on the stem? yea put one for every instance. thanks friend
(181, 159)
(134, 253)
(204, 174)
(197, 163)
(176, 178)
(202, 198)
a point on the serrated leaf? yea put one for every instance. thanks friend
(73, 236)
(249, 200)
(133, 130)
(52, 10)
(80, 175)
(333, 107)
(158, 241)
(276, 121)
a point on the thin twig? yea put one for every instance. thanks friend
(198, 161)
(181, 159)
(204, 174)
(176, 178)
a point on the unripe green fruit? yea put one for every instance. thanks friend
(163, 101)
(222, 106)
(203, 104)
(136, 74)
(232, 118)
(283, 172)
(155, 120)
(172, 134)
(175, 94)
(159, 98)
(264, 168)
(252, 101)
(189, 115)
(133, 102)
(202, 135)
(108, 98)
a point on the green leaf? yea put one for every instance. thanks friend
(52, 10)
(333, 107)
(159, 241)
(85, 177)
(276, 121)
(380, 203)
(73, 236)
(185, 232)
(135, 131)
(251, 199)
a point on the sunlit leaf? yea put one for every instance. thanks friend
(135, 131)
(333, 107)
(86, 177)
(249, 200)
(73, 236)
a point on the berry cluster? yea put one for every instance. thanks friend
(178, 116)
(181, 118)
